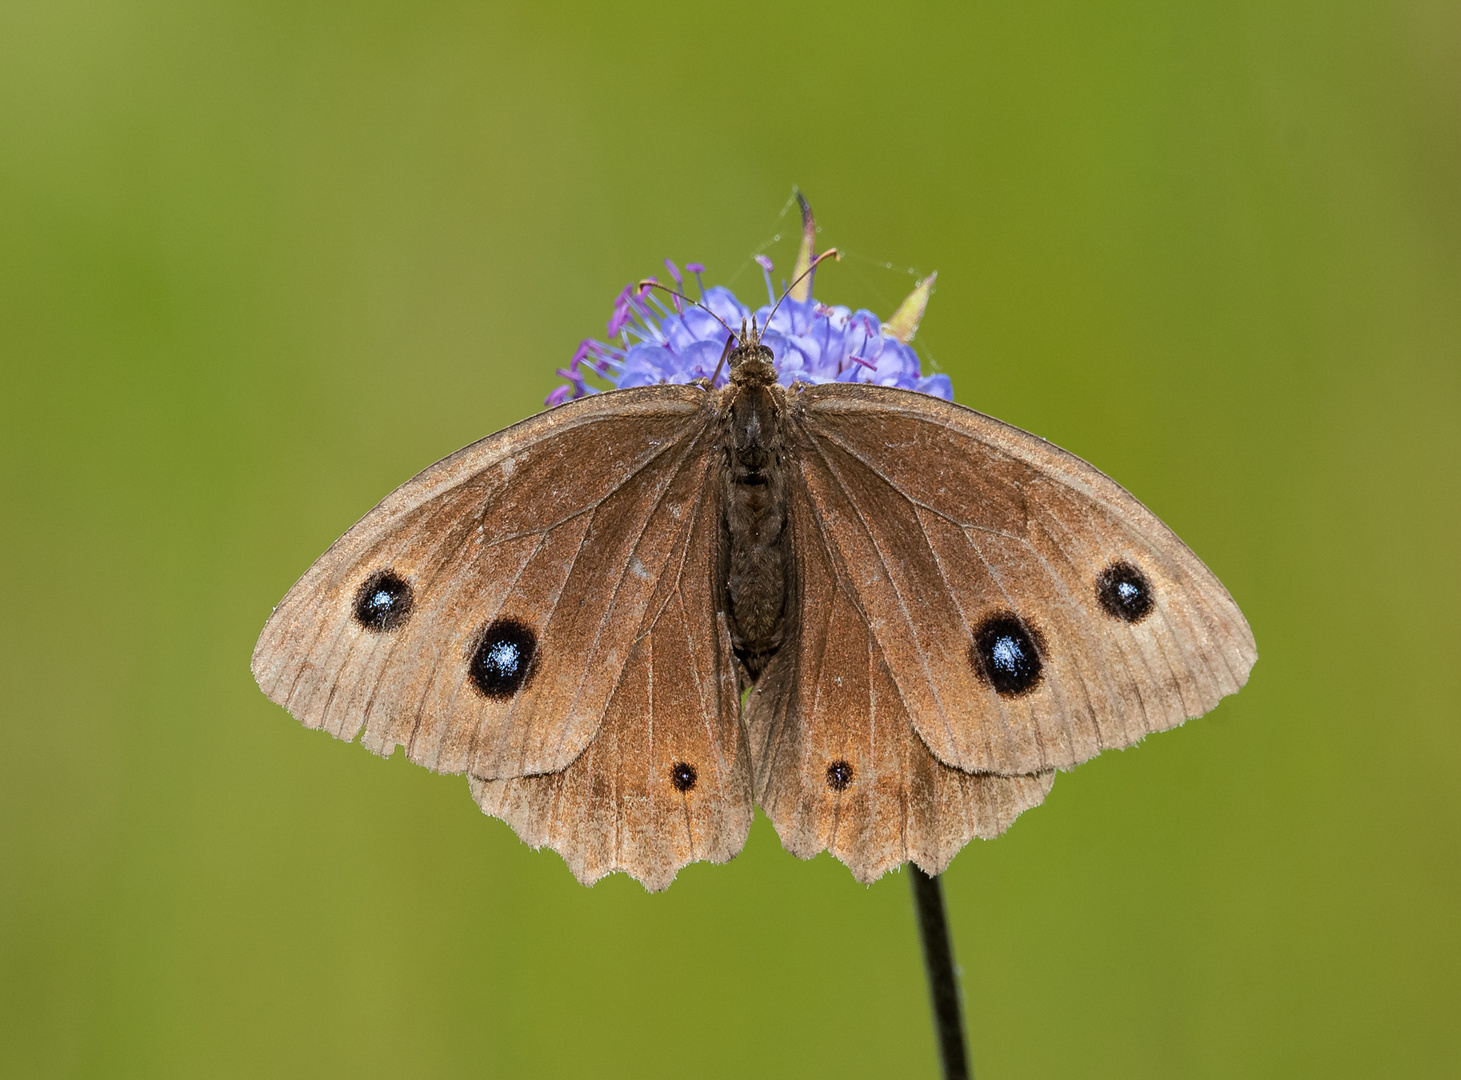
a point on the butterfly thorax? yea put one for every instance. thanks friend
(755, 506)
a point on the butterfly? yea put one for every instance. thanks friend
(884, 618)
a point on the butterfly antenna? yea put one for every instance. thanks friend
(723, 354)
(830, 252)
(651, 283)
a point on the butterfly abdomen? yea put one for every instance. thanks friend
(755, 518)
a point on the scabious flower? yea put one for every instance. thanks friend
(662, 339)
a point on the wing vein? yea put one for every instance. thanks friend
(934, 689)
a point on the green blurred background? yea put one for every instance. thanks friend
(259, 263)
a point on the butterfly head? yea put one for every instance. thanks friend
(751, 363)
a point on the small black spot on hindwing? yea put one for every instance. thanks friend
(683, 775)
(383, 601)
(502, 662)
(1125, 592)
(839, 775)
(1006, 654)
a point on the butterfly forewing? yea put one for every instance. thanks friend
(522, 568)
(838, 765)
(1030, 611)
(667, 779)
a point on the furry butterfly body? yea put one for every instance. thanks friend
(933, 611)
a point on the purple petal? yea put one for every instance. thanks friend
(938, 385)
(809, 342)
(699, 359)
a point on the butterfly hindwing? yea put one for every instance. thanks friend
(521, 567)
(667, 779)
(1030, 611)
(838, 765)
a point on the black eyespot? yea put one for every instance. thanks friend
(1125, 592)
(383, 601)
(839, 775)
(1006, 654)
(503, 659)
(682, 775)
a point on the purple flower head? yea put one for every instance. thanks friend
(651, 342)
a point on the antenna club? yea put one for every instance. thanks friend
(832, 253)
(645, 284)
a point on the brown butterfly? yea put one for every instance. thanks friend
(933, 611)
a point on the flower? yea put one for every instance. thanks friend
(652, 340)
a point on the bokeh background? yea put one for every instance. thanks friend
(260, 262)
